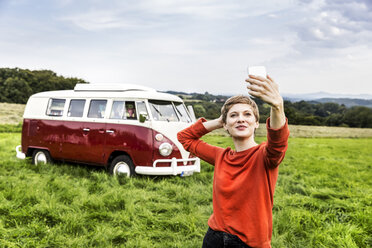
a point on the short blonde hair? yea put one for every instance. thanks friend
(239, 99)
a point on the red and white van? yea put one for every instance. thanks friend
(129, 129)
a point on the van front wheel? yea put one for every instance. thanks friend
(41, 157)
(122, 165)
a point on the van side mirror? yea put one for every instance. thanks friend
(142, 118)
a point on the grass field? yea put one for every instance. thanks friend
(323, 199)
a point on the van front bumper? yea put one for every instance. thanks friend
(173, 169)
(20, 154)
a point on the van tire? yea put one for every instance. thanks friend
(40, 157)
(123, 163)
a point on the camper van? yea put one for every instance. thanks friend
(128, 129)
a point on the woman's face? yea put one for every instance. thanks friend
(240, 121)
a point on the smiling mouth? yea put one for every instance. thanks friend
(241, 127)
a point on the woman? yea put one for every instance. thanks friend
(244, 180)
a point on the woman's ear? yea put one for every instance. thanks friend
(257, 124)
(224, 126)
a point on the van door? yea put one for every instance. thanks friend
(94, 140)
(94, 133)
(84, 140)
(124, 132)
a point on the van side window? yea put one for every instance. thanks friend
(130, 110)
(117, 111)
(55, 107)
(97, 108)
(142, 110)
(76, 108)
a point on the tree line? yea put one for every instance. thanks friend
(298, 113)
(17, 85)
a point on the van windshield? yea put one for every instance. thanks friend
(182, 112)
(163, 111)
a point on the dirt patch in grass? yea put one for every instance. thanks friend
(11, 113)
(314, 132)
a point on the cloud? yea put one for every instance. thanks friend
(96, 20)
(193, 8)
(101, 15)
(334, 24)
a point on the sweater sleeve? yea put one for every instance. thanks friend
(277, 144)
(190, 139)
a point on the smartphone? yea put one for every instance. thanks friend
(257, 71)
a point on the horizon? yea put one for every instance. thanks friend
(285, 95)
(293, 95)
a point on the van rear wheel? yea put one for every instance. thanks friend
(41, 157)
(122, 165)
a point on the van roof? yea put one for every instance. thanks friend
(111, 87)
(127, 91)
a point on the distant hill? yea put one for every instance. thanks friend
(320, 111)
(322, 95)
(199, 96)
(348, 102)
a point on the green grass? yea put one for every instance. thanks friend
(323, 199)
(11, 128)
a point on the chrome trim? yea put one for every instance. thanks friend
(20, 154)
(173, 169)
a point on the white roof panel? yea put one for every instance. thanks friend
(125, 92)
(111, 87)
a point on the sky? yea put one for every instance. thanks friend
(194, 45)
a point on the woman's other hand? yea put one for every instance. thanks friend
(213, 124)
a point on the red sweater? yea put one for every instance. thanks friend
(243, 182)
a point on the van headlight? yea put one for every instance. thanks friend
(165, 149)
